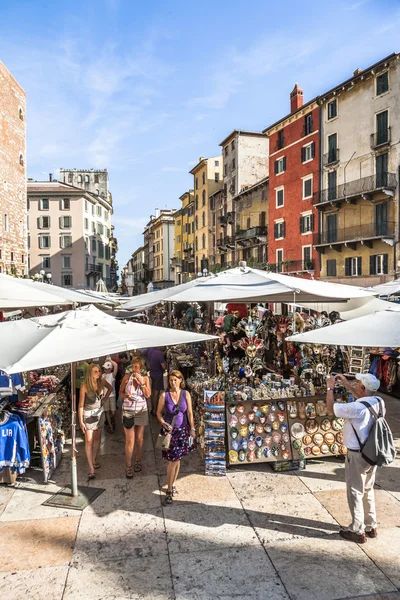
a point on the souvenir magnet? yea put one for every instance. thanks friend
(233, 456)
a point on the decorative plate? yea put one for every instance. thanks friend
(297, 430)
(240, 409)
(265, 408)
(307, 451)
(281, 405)
(267, 428)
(329, 438)
(285, 454)
(337, 423)
(335, 448)
(318, 439)
(259, 428)
(243, 419)
(307, 440)
(252, 446)
(311, 426)
(251, 456)
(297, 444)
(316, 450)
(275, 425)
(342, 449)
(251, 416)
(339, 437)
(325, 424)
(268, 440)
(281, 417)
(324, 448)
(276, 437)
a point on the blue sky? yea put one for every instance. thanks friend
(145, 88)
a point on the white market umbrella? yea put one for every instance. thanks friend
(243, 284)
(26, 293)
(379, 329)
(390, 288)
(78, 335)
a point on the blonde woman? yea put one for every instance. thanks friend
(94, 392)
(176, 403)
(135, 389)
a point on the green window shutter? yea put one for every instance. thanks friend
(284, 163)
(359, 265)
(386, 264)
(372, 264)
(301, 225)
(347, 267)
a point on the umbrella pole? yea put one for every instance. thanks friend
(74, 473)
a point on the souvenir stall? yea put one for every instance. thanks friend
(385, 365)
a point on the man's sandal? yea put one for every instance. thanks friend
(128, 472)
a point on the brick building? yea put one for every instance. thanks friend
(13, 213)
(293, 183)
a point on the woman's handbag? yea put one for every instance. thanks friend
(164, 440)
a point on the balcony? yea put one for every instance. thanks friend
(350, 236)
(226, 243)
(359, 187)
(292, 266)
(223, 220)
(92, 268)
(331, 158)
(381, 138)
(253, 232)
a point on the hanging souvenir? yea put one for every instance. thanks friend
(267, 428)
(259, 428)
(235, 445)
(259, 441)
(233, 456)
(243, 419)
(234, 432)
(268, 440)
(244, 443)
(242, 455)
(251, 416)
(275, 425)
(243, 430)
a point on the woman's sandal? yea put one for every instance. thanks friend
(128, 472)
(138, 467)
(168, 497)
(92, 476)
(174, 490)
(96, 465)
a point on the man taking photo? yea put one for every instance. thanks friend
(360, 475)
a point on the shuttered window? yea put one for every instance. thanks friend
(379, 264)
(353, 266)
(331, 267)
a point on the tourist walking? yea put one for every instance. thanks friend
(135, 389)
(360, 475)
(157, 364)
(93, 393)
(176, 416)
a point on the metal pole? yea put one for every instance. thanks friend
(294, 311)
(74, 472)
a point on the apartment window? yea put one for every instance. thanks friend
(44, 222)
(332, 109)
(232, 145)
(233, 164)
(280, 197)
(279, 230)
(307, 259)
(46, 261)
(96, 178)
(66, 241)
(332, 185)
(21, 160)
(279, 259)
(226, 150)
(308, 152)
(21, 114)
(93, 227)
(225, 170)
(105, 214)
(216, 163)
(332, 148)
(197, 243)
(100, 251)
(281, 139)
(353, 266)
(100, 228)
(87, 244)
(307, 187)
(196, 184)
(86, 206)
(382, 127)
(66, 261)
(382, 83)
(203, 219)
(94, 245)
(86, 224)
(65, 204)
(79, 178)
(381, 166)
(107, 252)
(307, 223)
(44, 241)
(203, 178)
(203, 197)
(6, 223)
(70, 177)
(11, 256)
(378, 264)
(99, 211)
(308, 124)
(93, 209)
(87, 179)
(203, 240)
(23, 258)
(233, 185)
(66, 279)
(44, 204)
(66, 222)
(331, 228)
(196, 220)
(280, 165)
(216, 177)
(197, 202)
(331, 267)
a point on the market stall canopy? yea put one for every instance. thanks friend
(25, 293)
(390, 288)
(78, 335)
(356, 307)
(243, 284)
(379, 329)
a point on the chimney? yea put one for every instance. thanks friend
(296, 98)
(50, 176)
(357, 72)
(157, 212)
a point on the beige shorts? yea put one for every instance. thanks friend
(139, 418)
(110, 404)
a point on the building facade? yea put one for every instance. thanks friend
(293, 184)
(251, 209)
(207, 178)
(245, 162)
(13, 212)
(158, 249)
(183, 260)
(132, 275)
(359, 201)
(69, 234)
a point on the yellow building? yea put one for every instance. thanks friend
(184, 239)
(251, 208)
(207, 177)
(162, 251)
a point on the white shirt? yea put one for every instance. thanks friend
(358, 416)
(109, 377)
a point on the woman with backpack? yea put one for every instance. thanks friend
(176, 404)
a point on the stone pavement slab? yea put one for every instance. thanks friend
(195, 527)
(384, 551)
(37, 543)
(226, 573)
(201, 488)
(122, 533)
(259, 484)
(27, 500)
(387, 507)
(320, 476)
(46, 583)
(6, 493)
(287, 517)
(127, 579)
(141, 492)
(326, 569)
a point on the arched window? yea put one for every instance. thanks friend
(203, 240)
(197, 243)
(197, 202)
(97, 191)
(70, 177)
(21, 114)
(21, 160)
(204, 219)
(87, 179)
(203, 197)
(196, 220)
(204, 177)
(79, 178)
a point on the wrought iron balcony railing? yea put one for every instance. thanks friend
(358, 187)
(381, 137)
(247, 234)
(332, 157)
(357, 233)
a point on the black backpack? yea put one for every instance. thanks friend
(378, 449)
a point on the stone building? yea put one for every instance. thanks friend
(69, 234)
(359, 200)
(158, 249)
(13, 213)
(207, 178)
(245, 162)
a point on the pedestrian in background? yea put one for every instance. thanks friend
(157, 364)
